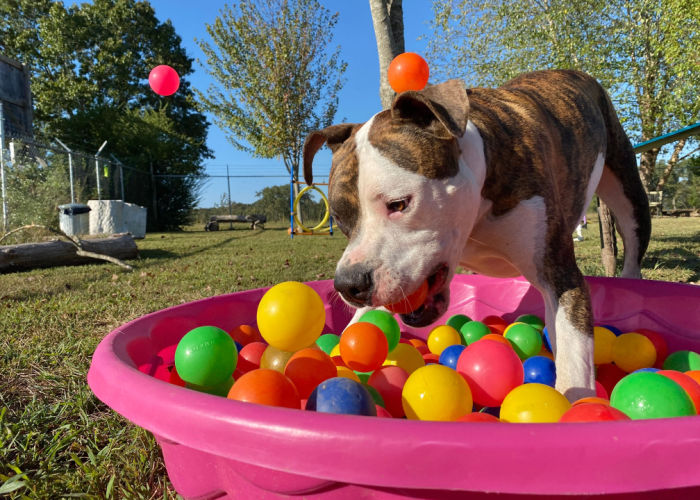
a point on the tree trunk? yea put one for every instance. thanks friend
(670, 164)
(63, 253)
(387, 18)
(608, 242)
(647, 163)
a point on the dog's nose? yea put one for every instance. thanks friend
(355, 283)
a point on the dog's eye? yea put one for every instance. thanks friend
(397, 206)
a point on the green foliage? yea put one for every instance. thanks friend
(276, 80)
(89, 68)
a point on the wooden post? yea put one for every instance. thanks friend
(608, 242)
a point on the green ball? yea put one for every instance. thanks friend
(525, 339)
(221, 389)
(642, 395)
(327, 342)
(364, 376)
(472, 331)
(378, 399)
(206, 356)
(456, 321)
(386, 323)
(682, 361)
(532, 320)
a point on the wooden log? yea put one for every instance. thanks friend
(64, 253)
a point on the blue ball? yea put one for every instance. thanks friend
(343, 396)
(539, 369)
(613, 329)
(450, 355)
(545, 337)
(649, 369)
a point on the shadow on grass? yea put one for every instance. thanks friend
(159, 254)
(676, 257)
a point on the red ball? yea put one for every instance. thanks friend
(389, 381)
(175, 378)
(492, 370)
(408, 71)
(608, 375)
(412, 302)
(688, 383)
(659, 345)
(249, 358)
(164, 80)
(363, 346)
(592, 412)
(478, 417)
(309, 367)
(495, 323)
(266, 387)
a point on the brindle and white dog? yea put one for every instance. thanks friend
(493, 180)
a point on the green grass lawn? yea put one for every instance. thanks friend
(58, 440)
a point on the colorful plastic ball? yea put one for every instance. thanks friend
(694, 374)
(525, 339)
(408, 71)
(534, 403)
(450, 355)
(363, 347)
(477, 416)
(682, 361)
(249, 358)
(436, 392)
(495, 323)
(344, 371)
(291, 316)
(603, 340)
(387, 323)
(275, 359)
(531, 319)
(495, 337)
(441, 337)
(689, 385)
(220, 389)
(546, 341)
(266, 387)
(418, 344)
(341, 395)
(363, 376)
(472, 331)
(309, 367)
(245, 334)
(411, 302)
(539, 369)
(376, 397)
(327, 342)
(608, 375)
(389, 382)
(644, 395)
(382, 412)
(206, 356)
(164, 80)
(492, 370)
(592, 412)
(406, 356)
(632, 351)
(613, 329)
(660, 345)
(601, 391)
(175, 378)
(457, 320)
(591, 399)
(431, 358)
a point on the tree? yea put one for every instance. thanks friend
(276, 80)
(89, 67)
(387, 18)
(643, 51)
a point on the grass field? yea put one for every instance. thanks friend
(57, 440)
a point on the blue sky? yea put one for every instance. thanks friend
(359, 98)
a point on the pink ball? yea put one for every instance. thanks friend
(492, 370)
(164, 80)
(389, 381)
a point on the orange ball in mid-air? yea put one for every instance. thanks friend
(408, 71)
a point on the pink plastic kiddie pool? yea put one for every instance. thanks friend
(218, 448)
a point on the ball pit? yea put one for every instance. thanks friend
(215, 447)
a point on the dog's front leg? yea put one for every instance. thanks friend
(570, 329)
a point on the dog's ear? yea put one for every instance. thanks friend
(443, 107)
(334, 136)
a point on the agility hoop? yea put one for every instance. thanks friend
(321, 226)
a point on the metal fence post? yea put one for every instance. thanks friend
(97, 169)
(70, 168)
(2, 168)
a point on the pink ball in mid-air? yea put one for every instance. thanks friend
(164, 80)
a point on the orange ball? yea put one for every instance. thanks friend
(245, 334)
(363, 347)
(496, 338)
(419, 344)
(309, 367)
(412, 302)
(266, 387)
(408, 71)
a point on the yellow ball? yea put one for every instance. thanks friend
(291, 316)
(335, 351)
(274, 359)
(632, 351)
(534, 403)
(436, 392)
(405, 356)
(441, 337)
(602, 345)
(512, 325)
(344, 371)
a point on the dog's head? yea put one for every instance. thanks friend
(397, 190)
